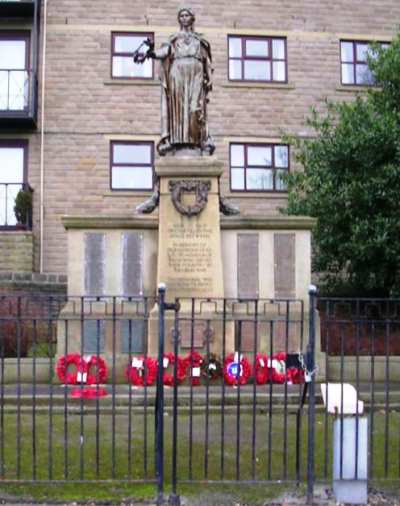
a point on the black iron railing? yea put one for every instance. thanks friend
(18, 94)
(188, 391)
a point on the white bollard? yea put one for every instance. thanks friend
(350, 443)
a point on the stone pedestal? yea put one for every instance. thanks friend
(189, 239)
(189, 236)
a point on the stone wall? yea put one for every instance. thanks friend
(16, 251)
(85, 109)
(25, 283)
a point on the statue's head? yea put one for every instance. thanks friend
(186, 17)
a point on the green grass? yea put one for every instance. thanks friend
(79, 462)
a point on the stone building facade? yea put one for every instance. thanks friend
(78, 123)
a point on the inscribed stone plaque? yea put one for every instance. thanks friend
(132, 263)
(133, 332)
(285, 265)
(95, 265)
(248, 283)
(93, 336)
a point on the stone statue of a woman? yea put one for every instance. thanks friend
(185, 76)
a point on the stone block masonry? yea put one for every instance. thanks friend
(16, 251)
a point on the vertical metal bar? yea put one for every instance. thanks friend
(271, 348)
(387, 414)
(372, 413)
(2, 353)
(82, 423)
(341, 396)
(222, 461)
(160, 396)
(357, 386)
(145, 421)
(66, 406)
(191, 393)
(34, 344)
(254, 426)
(326, 330)
(97, 433)
(51, 387)
(285, 405)
(130, 400)
(18, 323)
(114, 372)
(173, 497)
(311, 402)
(238, 404)
(206, 432)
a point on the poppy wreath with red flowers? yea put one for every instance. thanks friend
(211, 367)
(194, 361)
(169, 360)
(277, 366)
(97, 371)
(295, 375)
(69, 366)
(261, 369)
(142, 371)
(232, 377)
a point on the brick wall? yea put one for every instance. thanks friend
(16, 251)
(84, 109)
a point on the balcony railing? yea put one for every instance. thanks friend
(18, 97)
(8, 194)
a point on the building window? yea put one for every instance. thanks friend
(14, 71)
(258, 167)
(132, 165)
(257, 59)
(353, 60)
(122, 46)
(13, 163)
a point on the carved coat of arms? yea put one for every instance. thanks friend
(199, 188)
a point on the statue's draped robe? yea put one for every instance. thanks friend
(185, 76)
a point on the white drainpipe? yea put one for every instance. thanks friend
(42, 136)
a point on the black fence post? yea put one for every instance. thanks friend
(311, 399)
(174, 499)
(160, 397)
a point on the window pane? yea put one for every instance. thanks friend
(257, 48)
(364, 75)
(346, 51)
(132, 178)
(281, 156)
(128, 43)
(257, 70)
(2, 204)
(235, 69)
(279, 183)
(361, 52)
(259, 155)
(259, 179)
(235, 47)
(131, 153)
(279, 70)
(237, 179)
(124, 66)
(237, 155)
(278, 49)
(11, 194)
(347, 73)
(11, 165)
(12, 54)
